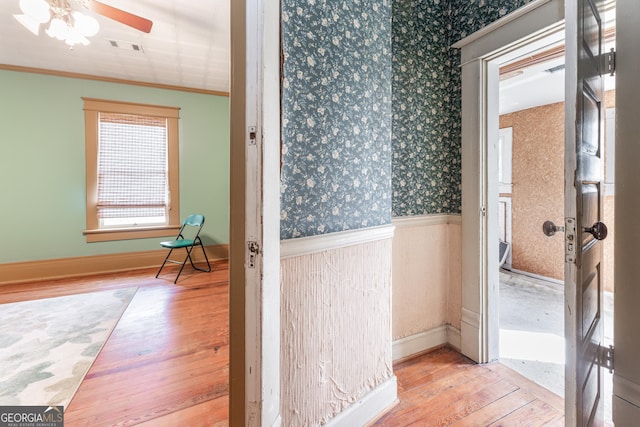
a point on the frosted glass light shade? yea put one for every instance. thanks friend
(38, 10)
(58, 29)
(29, 23)
(84, 24)
(74, 38)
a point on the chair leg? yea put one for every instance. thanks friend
(188, 257)
(165, 261)
(205, 257)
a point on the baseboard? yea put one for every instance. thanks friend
(537, 276)
(365, 410)
(419, 343)
(423, 342)
(453, 337)
(50, 269)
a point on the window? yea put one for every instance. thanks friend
(610, 152)
(504, 160)
(132, 170)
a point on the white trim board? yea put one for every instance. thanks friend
(499, 23)
(481, 54)
(426, 220)
(367, 409)
(420, 342)
(424, 341)
(325, 242)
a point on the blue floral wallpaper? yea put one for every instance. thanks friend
(427, 99)
(371, 101)
(426, 158)
(336, 116)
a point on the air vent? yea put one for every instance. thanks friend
(119, 44)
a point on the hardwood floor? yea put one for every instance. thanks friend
(166, 364)
(444, 388)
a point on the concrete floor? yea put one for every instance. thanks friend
(532, 331)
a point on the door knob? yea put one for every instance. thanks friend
(550, 229)
(597, 230)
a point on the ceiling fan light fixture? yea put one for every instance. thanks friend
(85, 25)
(37, 10)
(74, 38)
(29, 23)
(58, 29)
(65, 24)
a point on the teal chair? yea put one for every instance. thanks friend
(191, 227)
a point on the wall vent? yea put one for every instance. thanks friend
(119, 44)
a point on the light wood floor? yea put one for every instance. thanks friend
(444, 388)
(166, 364)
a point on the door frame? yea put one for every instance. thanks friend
(502, 40)
(254, 276)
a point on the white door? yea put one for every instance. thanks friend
(584, 193)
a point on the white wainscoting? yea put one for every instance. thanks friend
(426, 284)
(336, 328)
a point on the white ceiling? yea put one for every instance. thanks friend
(188, 45)
(536, 86)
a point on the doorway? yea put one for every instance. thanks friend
(531, 184)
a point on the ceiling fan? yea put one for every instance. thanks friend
(119, 15)
(71, 25)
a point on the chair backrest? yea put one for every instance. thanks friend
(191, 227)
(194, 220)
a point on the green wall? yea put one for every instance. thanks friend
(42, 164)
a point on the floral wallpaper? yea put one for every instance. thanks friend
(371, 109)
(426, 158)
(427, 99)
(336, 116)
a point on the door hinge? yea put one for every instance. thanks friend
(570, 240)
(252, 135)
(607, 358)
(610, 62)
(483, 211)
(253, 251)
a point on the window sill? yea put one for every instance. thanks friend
(109, 234)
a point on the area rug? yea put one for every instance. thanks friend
(48, 345)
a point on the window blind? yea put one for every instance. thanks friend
(132, 166)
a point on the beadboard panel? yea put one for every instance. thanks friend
(336, 331)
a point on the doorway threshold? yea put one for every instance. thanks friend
(532, 331)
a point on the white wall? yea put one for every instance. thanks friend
(626, 379)
(426, 283)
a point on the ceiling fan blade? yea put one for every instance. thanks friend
(134, 21)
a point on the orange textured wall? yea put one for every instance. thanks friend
(538, 191)
(538, 188)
